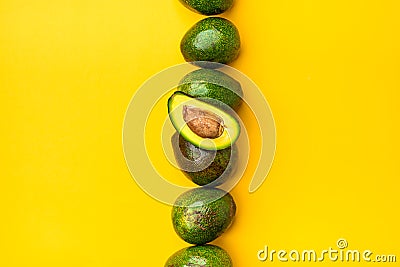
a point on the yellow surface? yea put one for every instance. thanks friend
(68, 69)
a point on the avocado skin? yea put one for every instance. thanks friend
(202, 214)
(200, 256)
(219, 163)
(208, 7)
(212, 39)
(213, 86)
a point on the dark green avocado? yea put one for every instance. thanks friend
(208, 7)
(212, 39)
(204, 166)
(200, 256)
(202, 214)
(213, 86)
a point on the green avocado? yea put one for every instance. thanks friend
(208, 7)
(204, 166)
(200, 256)
(213, 86)
(202, 124)
(202, 214)
(211, 39)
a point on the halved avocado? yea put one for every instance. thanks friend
(202, 124)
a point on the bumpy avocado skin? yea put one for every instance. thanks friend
(200, 256)
(204, 166)
(213, 86)
(202, 214)
(208, 7)
(212, 39)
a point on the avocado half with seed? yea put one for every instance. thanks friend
(202, 124)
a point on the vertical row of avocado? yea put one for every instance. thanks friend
(202, 110)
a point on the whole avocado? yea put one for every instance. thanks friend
(214, 86)
(212, 39)
(204, 166)
(200, 256)
(208, 7)
(202, 214)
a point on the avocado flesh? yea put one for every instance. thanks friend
(214, 87)
(231, 128)
(202, 214)
(200, 256)
(204, 167)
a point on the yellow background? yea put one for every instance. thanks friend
(68, 69)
